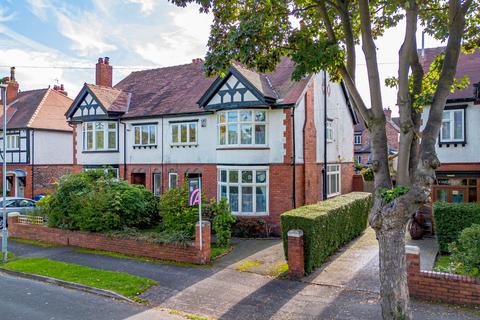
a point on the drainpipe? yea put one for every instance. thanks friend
(124, 150)
(162, 176)
(294, 200)
(33, 163)
(324, 170)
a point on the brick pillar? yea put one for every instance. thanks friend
(296, 257)
(413, 268)
(357, 183)
(205, 253)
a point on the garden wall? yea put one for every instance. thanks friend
(97, 241)
(440, 286)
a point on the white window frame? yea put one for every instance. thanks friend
(358, 159)
(154, 184)
(170, 176)
(329, 131)
(13, 141)
(333, 170)
(253, 122)
(179, 125)
(106, 131)
(239, 184)
(451, 120)
(357, 141)
(140, 128)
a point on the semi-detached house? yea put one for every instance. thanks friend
(257, 139)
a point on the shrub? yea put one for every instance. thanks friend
(176, 214)
(222, 221)
(367, 174)
(327, 225)
(249, 228)
(93, 201)
(466, 250)
(391, 194)
(450, 220)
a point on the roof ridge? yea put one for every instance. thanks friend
(37, 109)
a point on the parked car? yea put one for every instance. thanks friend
(16, 204)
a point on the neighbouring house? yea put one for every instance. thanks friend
(39, 140)
(256, 139)
(458, 147)
(361, 138)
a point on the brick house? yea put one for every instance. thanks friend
(361, 138)
(39, 140)
(256, 139)
(458, 148)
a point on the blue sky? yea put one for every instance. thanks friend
(63, 40)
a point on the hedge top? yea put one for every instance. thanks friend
(321, 208)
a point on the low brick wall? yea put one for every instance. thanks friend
(440, 286)
(97, 241)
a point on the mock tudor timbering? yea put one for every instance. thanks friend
(247, 136)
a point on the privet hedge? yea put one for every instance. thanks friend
(450, 220)
(327, 225)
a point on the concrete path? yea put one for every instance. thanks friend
(428, 252)
(224, 293)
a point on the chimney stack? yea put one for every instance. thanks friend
(103, 72)
(60, 89)
(197, 61)
(12, 86)
(388, 113)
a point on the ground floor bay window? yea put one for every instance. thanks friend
(245, 188)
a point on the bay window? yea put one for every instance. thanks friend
(242, 127)
(145, 134)
(100, 136)
(184, 133)
(245, 189)
(333, 180)
(453, 123)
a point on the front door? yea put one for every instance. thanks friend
(21, 182)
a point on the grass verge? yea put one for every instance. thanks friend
(123, 283)
(34, 243)
(137, 258)
(217, 251)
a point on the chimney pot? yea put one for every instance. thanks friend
(12, 73)
(106, 60)
(100, 60)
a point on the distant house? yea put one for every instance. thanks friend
(256, 139)
(458, 144)
(361, 138)
(39, 140)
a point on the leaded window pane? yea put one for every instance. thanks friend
(232, 134)
(233, 176)
(261, 176)
(223, 133)
(246, 134)
(260, 134)
(261, 199)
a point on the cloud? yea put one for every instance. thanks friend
(5, 16)
(146, 6)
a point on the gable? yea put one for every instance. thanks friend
(86, 106)
(232, 91)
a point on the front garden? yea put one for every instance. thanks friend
(94, 202)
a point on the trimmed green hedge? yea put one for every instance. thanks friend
(327, 225)
(450, 220)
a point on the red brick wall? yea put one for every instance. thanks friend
(45, 177)
(346, 174)
(357, 183)
(97, 241)
(440, 286)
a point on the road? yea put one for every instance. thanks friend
(22, 299)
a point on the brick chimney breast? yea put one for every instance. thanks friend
(103, 72)
(12, 86)
(388, 113)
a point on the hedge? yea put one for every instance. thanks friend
(327, 225)
(450, 220)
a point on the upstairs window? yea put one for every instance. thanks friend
(242, 127)
(145, 135)
(184, 133)
(13, 141)
(100, 136)
(453, 126)
(357, 139)
(329, 130)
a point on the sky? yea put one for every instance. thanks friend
(58, 42)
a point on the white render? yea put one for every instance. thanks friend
(51, 147)
(470, 153)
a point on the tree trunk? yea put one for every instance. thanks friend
(393, 285)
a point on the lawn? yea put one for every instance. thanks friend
(444, 264)
(120, 282)
(219, 251)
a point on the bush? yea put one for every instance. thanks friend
(450, 220)
(176, 214)
(222, 221)
(367, 174)
(466, 250)
(327, 225)
(250, 228)
(93, 201)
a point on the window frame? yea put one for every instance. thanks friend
(358, 159)
(140, 127)
(239, 123)
(155, 186)
(332, 173)
(170, 175)
(106, 132)
(355, 136)
(451, 111)
(179, 134)
(329, 131)
(239, 184)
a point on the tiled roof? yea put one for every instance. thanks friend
(177, 89)
(40, 109)
(468, 64)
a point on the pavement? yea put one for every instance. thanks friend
(344, 289)
(428, 252)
